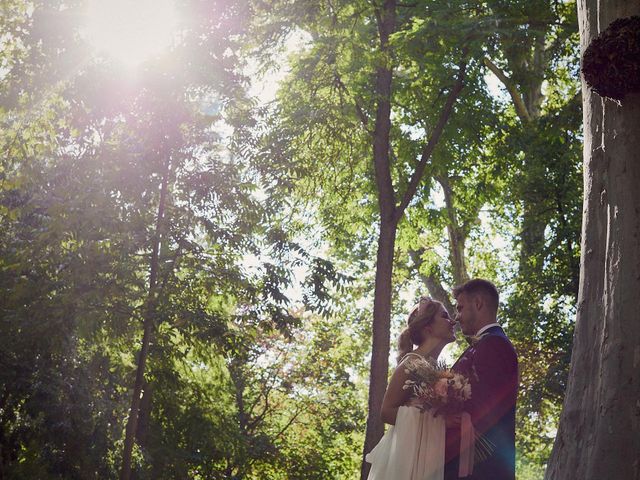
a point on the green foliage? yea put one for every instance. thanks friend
(245, 378)
(512, 176)
(81, 178)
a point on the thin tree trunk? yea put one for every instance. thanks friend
(144, 414)
(381, 337)
(132, 421)
(599, 431)
(531, 235)
(533, 96)
(234, 469)
(386, 240)
(390, 215)
(457, 257)
(457, 235)
(527, 99)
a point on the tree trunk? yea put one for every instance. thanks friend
(144, 414)
(457, 235)
(527, 98)
(381, 337)
(235, 469)
(386, 241)
(457, 240)
(391, 214)
(599, 431)
(532, 236)
(132, 421)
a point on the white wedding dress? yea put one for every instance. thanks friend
(412, 449)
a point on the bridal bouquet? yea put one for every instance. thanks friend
(435, 386)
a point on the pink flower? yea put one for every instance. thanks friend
(440, 387)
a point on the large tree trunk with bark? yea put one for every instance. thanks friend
(599, 432)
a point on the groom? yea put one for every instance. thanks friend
(491, 364)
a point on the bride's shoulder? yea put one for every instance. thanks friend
(411, 359)
(410, 355)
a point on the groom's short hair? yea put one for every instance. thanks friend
(480, 286)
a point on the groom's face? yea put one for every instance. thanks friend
(466, 314)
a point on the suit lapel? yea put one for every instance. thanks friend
(497, 330)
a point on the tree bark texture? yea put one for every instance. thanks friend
(599, 431)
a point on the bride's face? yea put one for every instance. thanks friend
(442, 326)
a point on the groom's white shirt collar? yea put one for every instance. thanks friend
(485, 328)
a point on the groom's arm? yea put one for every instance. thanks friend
(494, 392)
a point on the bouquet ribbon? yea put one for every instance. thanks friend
(467, 446)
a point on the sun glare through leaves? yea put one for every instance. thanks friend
(130, 31)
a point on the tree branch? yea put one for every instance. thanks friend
(457, 234)
(359, 110)
(518, 102)
(433, 141)
(290, 422)
(433, 284)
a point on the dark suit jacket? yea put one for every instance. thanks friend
(492, 368)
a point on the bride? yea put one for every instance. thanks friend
(413, 447)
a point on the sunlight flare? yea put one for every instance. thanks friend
(131, 31)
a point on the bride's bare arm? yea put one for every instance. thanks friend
(395, 396)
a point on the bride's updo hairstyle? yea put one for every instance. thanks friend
(419, 317)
